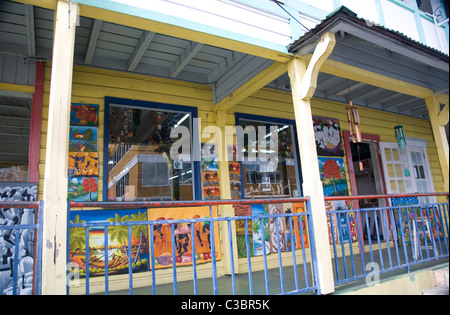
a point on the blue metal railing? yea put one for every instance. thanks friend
(304, 283)
(370, 241)
(21, 246)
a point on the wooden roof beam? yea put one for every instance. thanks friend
(185, 58)
(93, 38)
(140, 49)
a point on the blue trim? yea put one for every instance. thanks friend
(278, 121)
(152, 105)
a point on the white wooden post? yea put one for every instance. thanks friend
(303, 84)
(56, 159)
(438, 120)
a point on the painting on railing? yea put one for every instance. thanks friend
(265, 233)
(418, 217)
(183, 238)
(163, 237)
(8, 239)
(118, 242)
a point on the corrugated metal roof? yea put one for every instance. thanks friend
(344, 11)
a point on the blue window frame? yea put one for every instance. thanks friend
(136, 134)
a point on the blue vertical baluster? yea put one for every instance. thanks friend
(233, 277)
(375, 218)
(174, 261)
(152, 257)
(302, 243)
(293, 249)
(16, 259)
(333, 237)
(411, 238)
(395, 232)
(106, 262)
(405, 252)
(424, 233)
(387, 237)
(86, 255)
(350, 242)
(280, 263)
(266, 272)
(194, 257)
(40, 241)
(369, 236)
(130, 262)
(360, 239)
(213, 256)
(341, 240)
(427, 209)
(441, 216)
(247, 244)
(436, 222)
(416, 229)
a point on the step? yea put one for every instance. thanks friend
(440, 283)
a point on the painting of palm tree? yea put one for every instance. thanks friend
(119, 232)
(77, 238)
(138, 231)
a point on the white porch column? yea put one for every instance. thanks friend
(56, 159)
(438, 119)
(303, 84)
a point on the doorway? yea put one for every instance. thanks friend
(366, 178)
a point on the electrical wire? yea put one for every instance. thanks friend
(307, 29)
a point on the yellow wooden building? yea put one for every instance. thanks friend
(142, 71)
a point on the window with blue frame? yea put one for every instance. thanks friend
(138, 160)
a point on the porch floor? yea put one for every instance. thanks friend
(224, 283)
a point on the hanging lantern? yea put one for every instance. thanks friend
(353, 122)
(400, 136)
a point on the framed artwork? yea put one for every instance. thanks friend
(83, 139)
(118, 242)
(183, 240)
(332, 175)
(327, 132)
(82, 189)
(83, 164)
(84, 115)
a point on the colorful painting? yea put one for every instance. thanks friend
(260, 231)
(211, 193)
(401, 216)
(83, 139)
(332, 223)
(234, 169)
(327, 132)
(84, 115)
(118, 242)
(332, 175)
(299, 208)
(83, 164)
(82, 189)
(239, 211)
(184, 255)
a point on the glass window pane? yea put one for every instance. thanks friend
(401, 187)
(269, 159)
(390, 168)
(395, 155)
(388, 154)
(393, 186)
(398, 170)
(139, 145)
